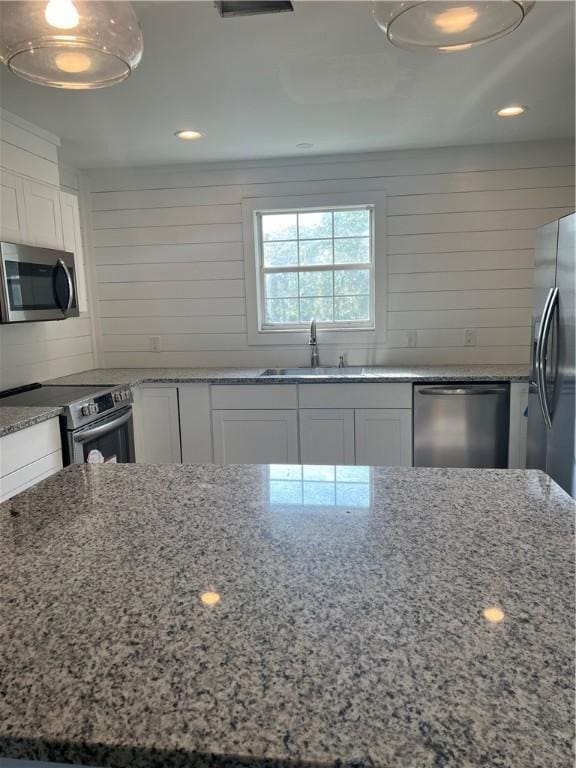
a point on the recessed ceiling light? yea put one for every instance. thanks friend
(189, 135)
(514, 110)
(304, 145)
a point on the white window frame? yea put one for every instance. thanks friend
(351, 333)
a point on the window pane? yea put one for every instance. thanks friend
(281, 254)
(316, 283)
(279, 226)
(351, 308)
(316, 252)
(348, 282)
(351, 223)
(281, 285)
(282, 310)
(314, 224)
(352, 250)
(321, 309)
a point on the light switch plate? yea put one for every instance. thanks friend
(470, 338)
(412, 339)
(155, 343)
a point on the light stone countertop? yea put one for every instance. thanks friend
(13, 419)
(350, 628)
(376, 374)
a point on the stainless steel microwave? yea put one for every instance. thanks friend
(36, 284)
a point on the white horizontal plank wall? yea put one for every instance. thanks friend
(168, 253)
(39, 351)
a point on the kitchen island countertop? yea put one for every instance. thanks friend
(182, 616)
(370, 374)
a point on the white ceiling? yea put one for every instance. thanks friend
(325, 74)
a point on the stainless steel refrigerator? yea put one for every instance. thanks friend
(551, 413)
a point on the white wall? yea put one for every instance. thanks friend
(168, 254)
(38, 351)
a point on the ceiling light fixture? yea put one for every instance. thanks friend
(448, 25)
(189, 135)
(514, 110)
(72, 44)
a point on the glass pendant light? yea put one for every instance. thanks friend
(75, 44)
(446, 25)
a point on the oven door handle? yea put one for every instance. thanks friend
(103, 429)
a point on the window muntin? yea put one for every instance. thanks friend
(316, 263)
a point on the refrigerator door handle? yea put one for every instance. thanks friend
(546, 324)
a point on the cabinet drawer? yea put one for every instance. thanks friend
(22, 448)
(355, 395)
(254, 396)
(27, 476)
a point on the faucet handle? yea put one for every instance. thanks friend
(341, 362)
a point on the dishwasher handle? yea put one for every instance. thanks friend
(462, 390)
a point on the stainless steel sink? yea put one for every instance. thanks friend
(321, 371)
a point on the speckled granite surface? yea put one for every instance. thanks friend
(15, 419)
(349, 630)
(118, 376)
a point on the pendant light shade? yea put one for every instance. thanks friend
(444, 25)
(75, 44)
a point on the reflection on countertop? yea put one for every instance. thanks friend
(185, 615)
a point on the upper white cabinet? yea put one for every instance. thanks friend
(157, 426)
(327, 436)
(72, 241)
(383, 436)
(12, 208)
(255, 436)
(43, 214)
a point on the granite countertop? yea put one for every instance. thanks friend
(350, 627)
(14, 419)
(134, 376)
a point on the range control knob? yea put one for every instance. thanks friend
(116, 397)
(85, 410)
(93, 408)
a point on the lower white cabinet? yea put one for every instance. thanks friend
(157, 425)
(383, 436)
(28, 456)
(255, 436)
(327, 436)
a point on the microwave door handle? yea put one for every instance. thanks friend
(546, 324)
(62, 264)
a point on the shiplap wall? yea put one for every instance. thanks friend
(32, 352)
(168, 253)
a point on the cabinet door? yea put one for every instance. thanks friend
(72, 241)
(157, 425)
(384, 437)
(327, 436)
(43, 214)
(255, 437)
(12, 209)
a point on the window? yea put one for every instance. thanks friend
(315, 263)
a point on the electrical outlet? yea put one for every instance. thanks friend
(470, 338)
(155, 343)
(412, 339)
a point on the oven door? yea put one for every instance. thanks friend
(110, 439)
(37, 284)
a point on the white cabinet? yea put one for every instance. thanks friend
(327, 436)
(384, 436)
(43, 214)
(195, 424)
(28, 456)
(157, 425)
(72, 241)
(255, 436)
(12, 208)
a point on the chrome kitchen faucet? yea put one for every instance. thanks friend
(314, 356)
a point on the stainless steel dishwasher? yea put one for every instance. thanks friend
(461, 425)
